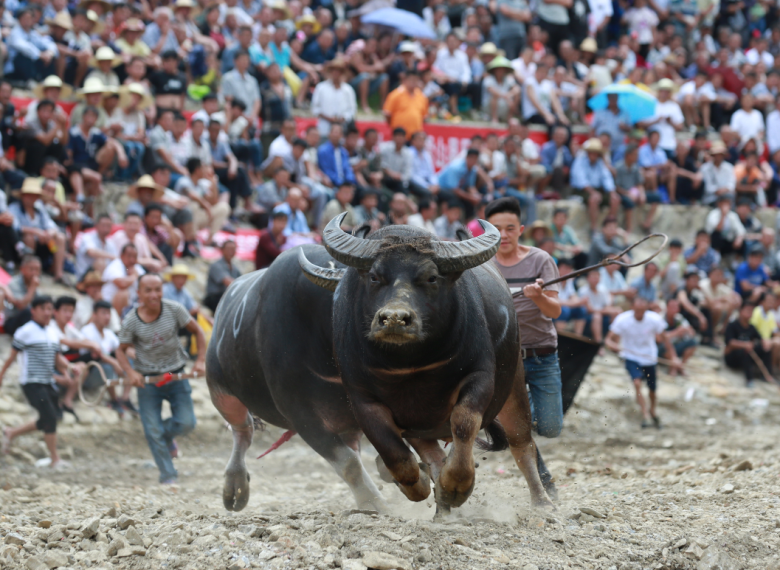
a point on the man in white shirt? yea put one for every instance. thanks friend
(98, 333)
(695, 96)
(280, 151)
(540, 103)
(760, 54)
(333, 100)
(773, 129)
(121, 277)
(426, 213)
(668, 118)
(95, 250)
(598, 301)
(748, 122)
(717, 174)
(640, 330)
(71, 342)
(92, 286)
(453, 63)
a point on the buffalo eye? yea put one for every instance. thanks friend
(432, 279)
(374, 278)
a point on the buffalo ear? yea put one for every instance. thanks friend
(362, 232)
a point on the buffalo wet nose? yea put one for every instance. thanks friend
(395, 318)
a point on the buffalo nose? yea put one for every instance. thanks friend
(395, 317)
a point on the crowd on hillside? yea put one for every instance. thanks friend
(191, 105)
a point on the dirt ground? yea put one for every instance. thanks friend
(702, 493)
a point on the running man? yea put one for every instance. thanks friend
(640, 330)
(41, 355)
(152, 328)
(525, 270)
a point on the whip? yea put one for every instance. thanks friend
(614, 260)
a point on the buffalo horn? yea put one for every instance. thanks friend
(324, 277)
(453, 256)
(349, 250)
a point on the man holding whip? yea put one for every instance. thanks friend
(152, 329)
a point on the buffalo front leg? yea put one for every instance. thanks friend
(456, 481)
(515, 417)
(434, 457)
(235, 493)
(343, 453)
(377, 423)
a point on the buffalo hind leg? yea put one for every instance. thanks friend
(515, 417)
(343, 453)
(235, 493)
(377, 423)
(456, 481)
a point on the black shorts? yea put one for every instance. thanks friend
(452, 88)
(44, 398)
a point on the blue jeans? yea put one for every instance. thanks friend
(135, 154)
(248, 151)
(527, 203)
(159, 433)
(373, 85)
(543, 375)
(572, 314)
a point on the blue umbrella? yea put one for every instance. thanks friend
(405, 22)
(637, 103)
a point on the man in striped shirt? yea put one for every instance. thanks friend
(40, 351)
(152, 329)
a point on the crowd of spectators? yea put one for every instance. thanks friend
(191, 104)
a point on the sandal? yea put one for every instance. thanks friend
(71, 411)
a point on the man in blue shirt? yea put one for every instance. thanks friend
(751, 279)
(556, 158)
(333, 159)
(293, 206)
(320, 50)
(423, 171)
(656, 166)
(644, 288)
(87, 144)
(590, 175)
(702, 254)
(459, 180)
(614, 121)
(226, 167)
(30, 54)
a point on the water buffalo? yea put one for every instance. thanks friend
(416, 342)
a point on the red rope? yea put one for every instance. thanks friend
(286, 436)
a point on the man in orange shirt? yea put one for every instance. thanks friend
(406, 106)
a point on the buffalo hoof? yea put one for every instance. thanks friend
(454, 491)
(421, 490)
(235, 493)
(442, 512)
(543, 504)
(552, 490)
(377, 504)
(384, 472)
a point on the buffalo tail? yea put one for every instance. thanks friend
(496, 438)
